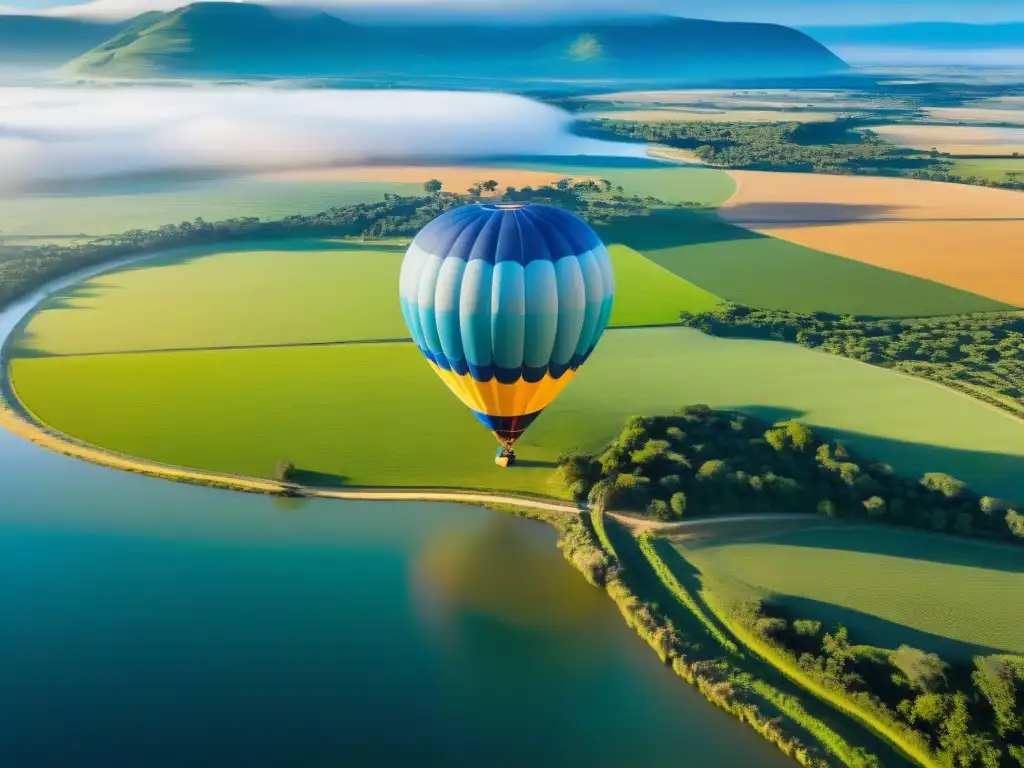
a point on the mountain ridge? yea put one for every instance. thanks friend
(243, 40)
(933, 34)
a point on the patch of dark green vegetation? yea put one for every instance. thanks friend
(845, 145)
(23, 268)
(980, 355)
(702, 461)
(688, 641)
(966, 714)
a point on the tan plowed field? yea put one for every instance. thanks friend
(965, 236)
(955, 139)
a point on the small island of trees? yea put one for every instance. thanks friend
(701, 461)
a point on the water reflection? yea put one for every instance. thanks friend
(505, 573)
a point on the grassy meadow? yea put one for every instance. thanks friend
(952, 596)
(104, 208)
(648, 294)
(374, 414)
(274, 292)
(993, 169)
(283, 292)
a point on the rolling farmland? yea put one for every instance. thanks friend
(761, 270)
(959, 235)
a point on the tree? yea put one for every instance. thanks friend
(284, 471)
(1015, 523)
(563, 185)
(961, 745)
(999, 681)
(659, 510)
(714, 468)
(948, 486)
(678, 504)
(432, 187)
(489, 186)
(924, 672)
(807, 627)
(474, 191)
(875, 506)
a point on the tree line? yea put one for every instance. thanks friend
(981, 355)
(702, 461)
(967, 714)
(844, 146)
(24, 268)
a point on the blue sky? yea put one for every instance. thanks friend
(792, 12)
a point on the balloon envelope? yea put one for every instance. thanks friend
(506, 302)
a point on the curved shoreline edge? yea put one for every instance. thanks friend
(19, 421)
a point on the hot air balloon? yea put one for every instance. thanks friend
(506, 301)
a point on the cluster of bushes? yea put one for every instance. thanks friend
(701, 461)
(976, 353)
(24, 268)
(969, 715)
(844, 145)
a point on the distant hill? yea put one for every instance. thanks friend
(938, 35)
(245, 40)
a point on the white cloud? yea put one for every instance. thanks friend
(57, 133)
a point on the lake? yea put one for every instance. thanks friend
(151, 623)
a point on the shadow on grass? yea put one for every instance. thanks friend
(868, 629)
(538, 463)
(810, 214)
(319, 479)
(985, 472)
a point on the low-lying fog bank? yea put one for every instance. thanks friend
(51, 133)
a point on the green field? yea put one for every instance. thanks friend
(103, 207)
(374, 414)
(748, 268)
(283, 292)
(993, 169)
(110, 208)
(889, 586)
(276, 292)
(647, 294)
(671, 183)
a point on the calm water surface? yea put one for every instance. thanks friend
(146, 623)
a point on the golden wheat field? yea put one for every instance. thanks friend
(955, 139)
(1005, 114)
(965, 236)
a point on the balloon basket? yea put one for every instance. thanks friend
(505, 457)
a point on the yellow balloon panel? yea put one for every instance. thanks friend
(496, 399)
